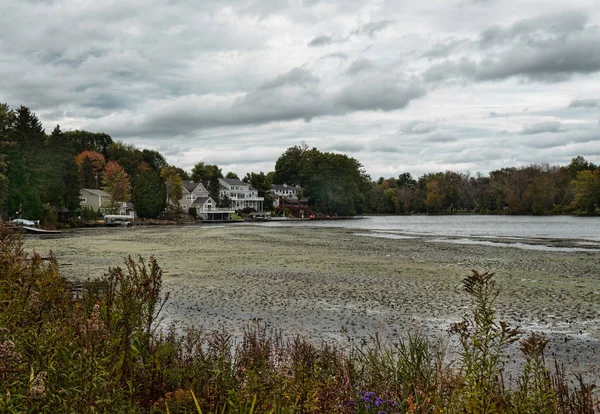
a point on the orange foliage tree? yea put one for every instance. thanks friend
(91, 165)
(116, 183)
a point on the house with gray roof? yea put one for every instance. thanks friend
(195, 195)
(99, 201)
(191, 192)
(94, 199)
(241, 194)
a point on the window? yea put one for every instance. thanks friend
(83, 200)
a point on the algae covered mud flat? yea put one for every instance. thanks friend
(335, 284)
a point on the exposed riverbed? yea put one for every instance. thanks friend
(337, 284)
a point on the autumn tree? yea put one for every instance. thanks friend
(91, 167)
(116, 183)
(174, 187)
(586, 189)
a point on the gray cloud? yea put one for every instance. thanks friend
(291, 96)
(359, 65)
(536, 31)
(440, 139)
(378, 93)
(371, 28)
(444, 48)
(237, 76)
(296, 76)
(584, 103)
(499, 114)
(541, 127)
(322, 40)
(548, 48)
(418, 127)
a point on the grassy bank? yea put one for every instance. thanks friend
(100, 351)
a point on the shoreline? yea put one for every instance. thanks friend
(329, 284)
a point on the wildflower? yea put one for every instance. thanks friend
(9, 357)
(534, 346)
(37, 391)
(34, 304)
(94, 325)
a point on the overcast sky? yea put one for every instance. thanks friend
(414, 85)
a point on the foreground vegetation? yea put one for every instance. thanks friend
(99, 350)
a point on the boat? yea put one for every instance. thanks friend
(35, 230)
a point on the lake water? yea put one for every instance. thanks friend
(583, 229)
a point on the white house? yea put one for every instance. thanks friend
(284, 193)
(241, 194)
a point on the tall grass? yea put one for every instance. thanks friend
(100, 351)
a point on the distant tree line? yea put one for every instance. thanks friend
(41, 173)
(534, 189)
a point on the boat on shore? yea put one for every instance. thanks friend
(36, 230)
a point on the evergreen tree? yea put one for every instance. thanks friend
(148, 194)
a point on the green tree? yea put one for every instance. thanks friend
(335, 183)
(148, 194)
(288, 167)
(586, 189)
(389, 202)
(155, 159)
(262, 183)
(208, 175)
(232, 175)
(127, 156)
(6, 125)
(81, 141)
(28, 165)
(580, 164)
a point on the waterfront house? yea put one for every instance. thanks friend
(191, 192)
(196, 196)
(94, 199)
(242, 195)
(99, 201)
(285, 194)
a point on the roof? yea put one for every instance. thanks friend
(202, 200)
(284, 187)
(189, 185)
(96, 191)
(235, 181)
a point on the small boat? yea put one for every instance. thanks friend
(35, 230)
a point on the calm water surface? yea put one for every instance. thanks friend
(554, 227)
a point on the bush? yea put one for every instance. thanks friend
(95, 348)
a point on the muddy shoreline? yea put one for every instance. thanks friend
(342, 286)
